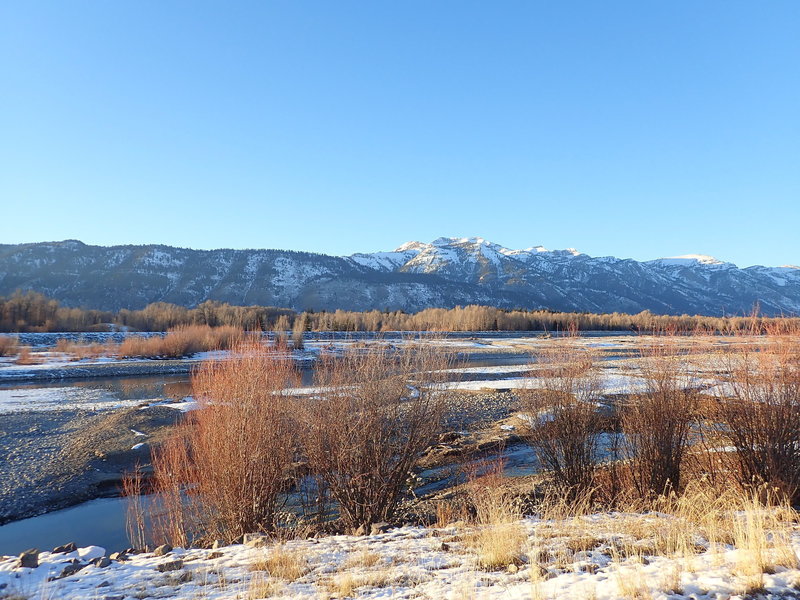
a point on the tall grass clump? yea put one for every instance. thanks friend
(498, 539)
(221, 473)
(376, 411)
(561, 417)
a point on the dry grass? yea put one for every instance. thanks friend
(704, 519)
(362, 559)
(761, 535)
(498, 539)
(631, 583)
(344, 584)
(263, 587)
(78, 351)
(282, 563)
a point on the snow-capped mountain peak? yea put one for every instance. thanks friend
(691, 260)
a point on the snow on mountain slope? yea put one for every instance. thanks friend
(443, 273)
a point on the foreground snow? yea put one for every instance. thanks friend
(408, 562)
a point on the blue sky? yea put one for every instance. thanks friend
(635, 129)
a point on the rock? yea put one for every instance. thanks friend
(173, 565)
(65, 549)
(162, 550)
(106, 583)
(120, 556)
(71, 569)
(117, 597)
(444, 547)
(378, 528)
(215, 555)
(29, 558)
(185, 577)
(255, 540)
(101, 562)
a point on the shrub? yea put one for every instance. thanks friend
(657, 424)
(8, 345)
(760, 408)
(181, 341)
(221, 473)
(377, 411)
(26, 357)
(562, 421)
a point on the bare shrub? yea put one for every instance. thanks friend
(561, 416)
(760, 409)
(377, 411)
(25, 357)
(8, 345)
(657, 423)
(222, 472)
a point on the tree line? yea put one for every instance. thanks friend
(34, 312)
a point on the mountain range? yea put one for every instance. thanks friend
(444, 273)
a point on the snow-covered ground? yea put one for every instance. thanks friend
(416, 562)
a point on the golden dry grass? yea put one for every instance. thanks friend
(282, 563)
(263, 587)
(498, 539)
(361, 559)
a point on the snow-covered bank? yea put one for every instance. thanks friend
(413, 562)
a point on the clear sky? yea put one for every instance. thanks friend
(637, 129)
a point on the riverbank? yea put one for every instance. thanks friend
(56, 459)
(593, 556)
